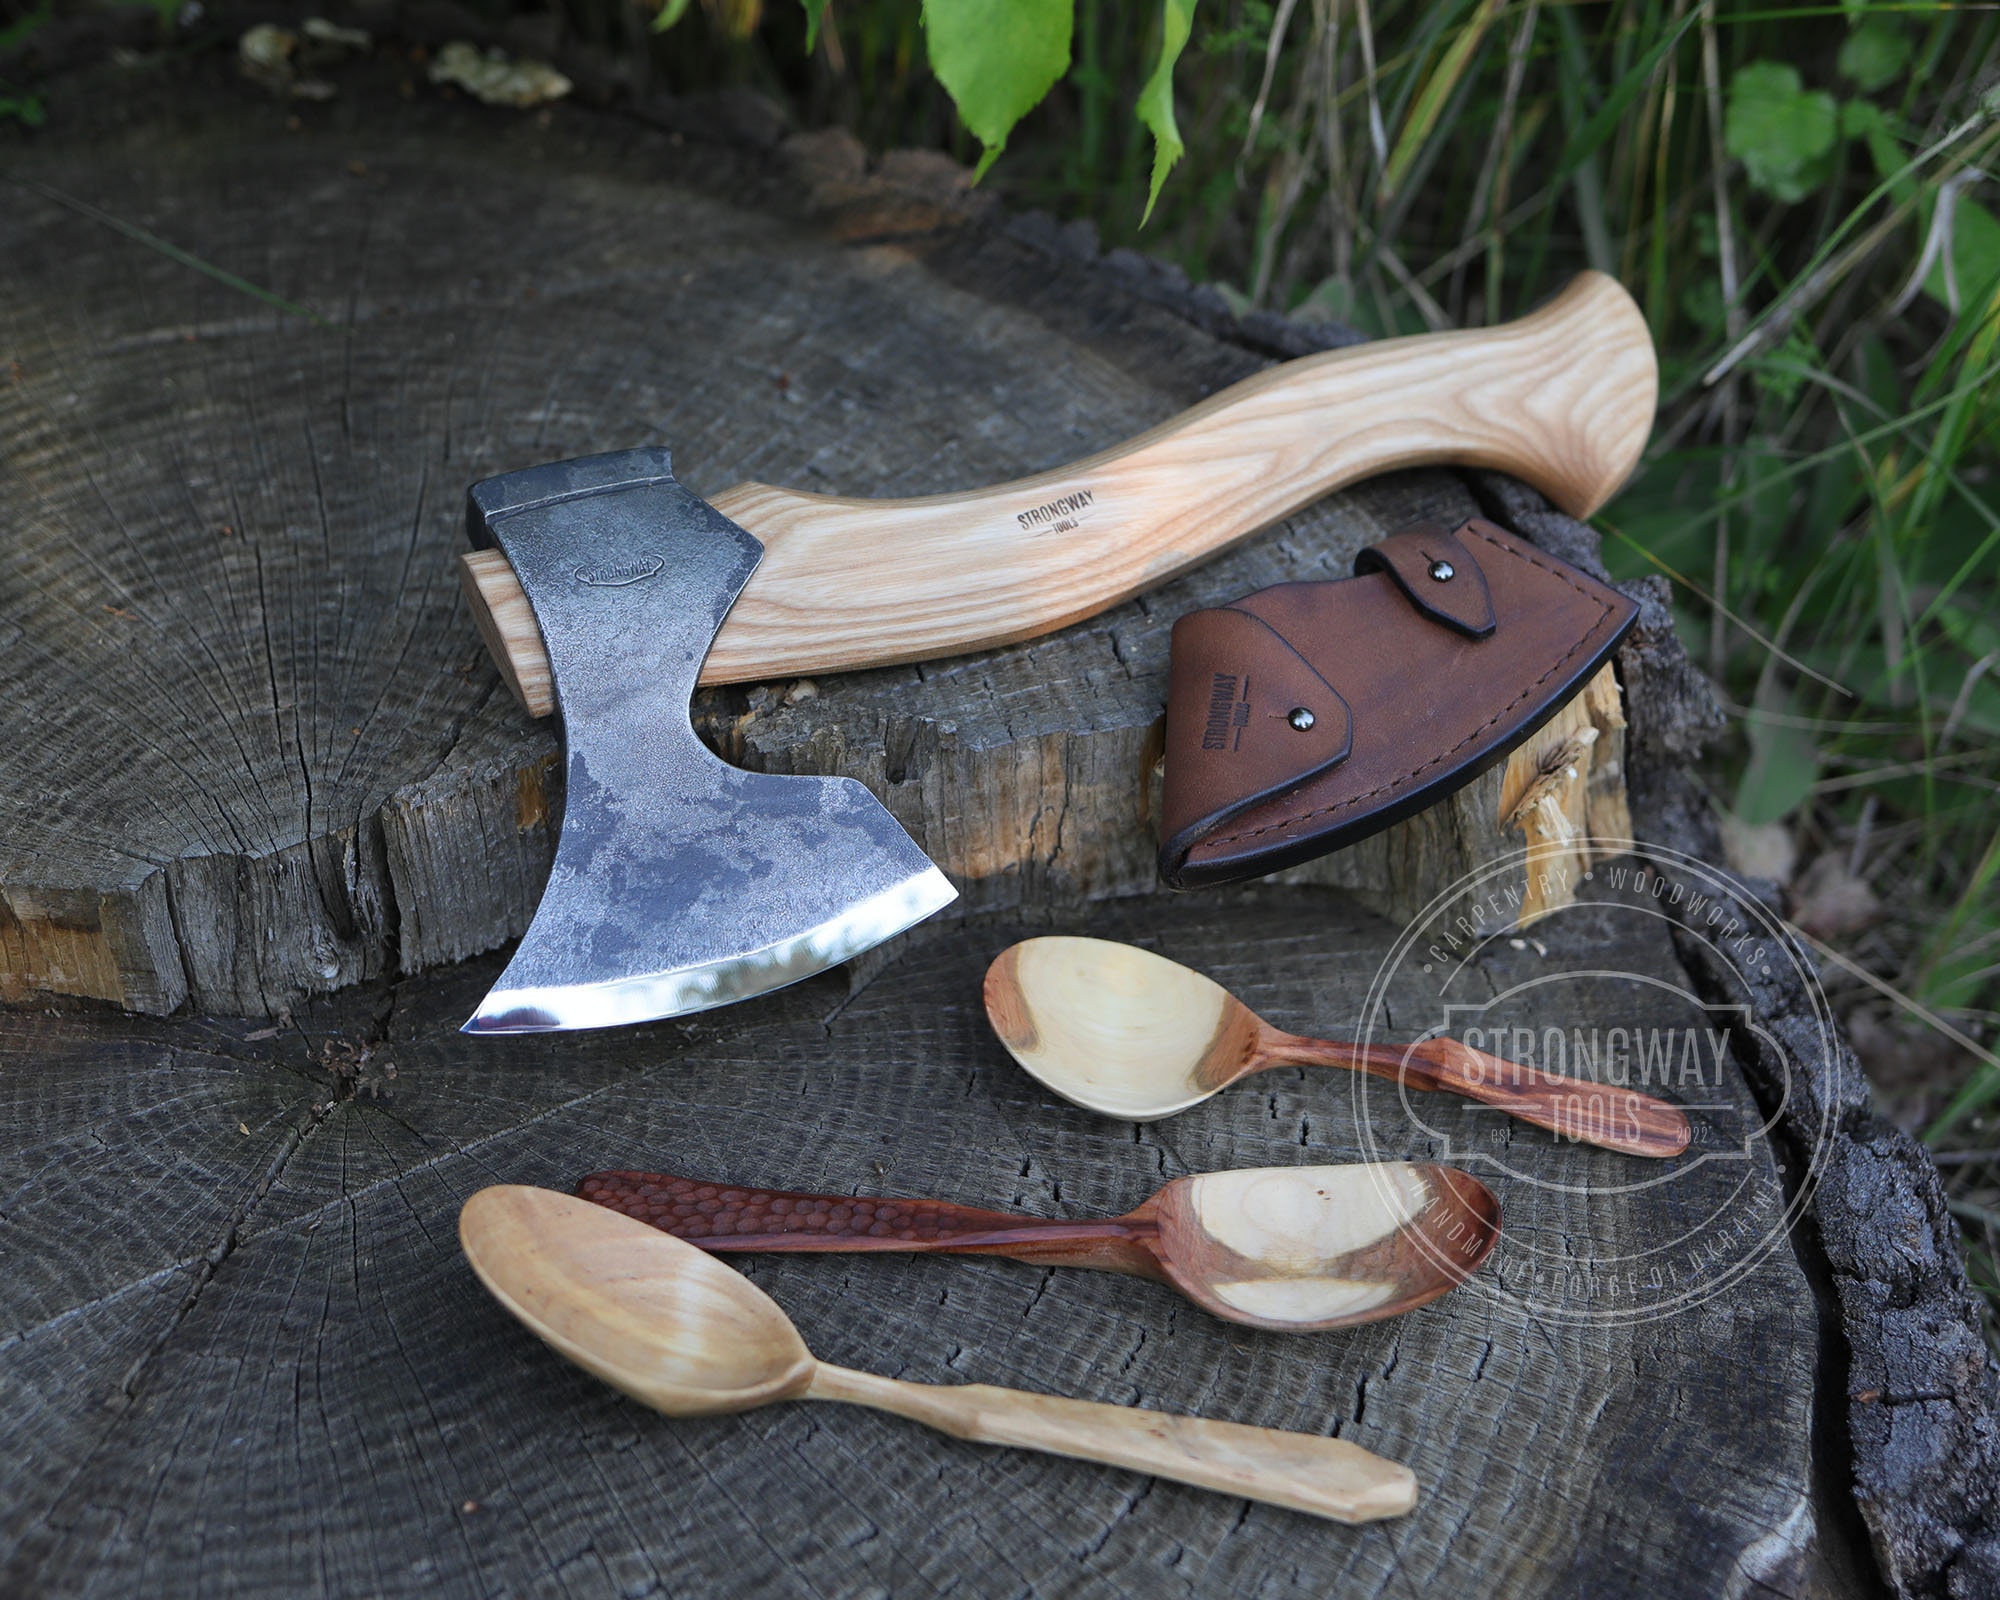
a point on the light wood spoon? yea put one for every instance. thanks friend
(679, 1331)
(1293, 1249)
(1131, 1034)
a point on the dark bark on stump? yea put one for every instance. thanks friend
(1919, 1389)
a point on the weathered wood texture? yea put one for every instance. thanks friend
(240, 1351)
(244, 1354)
(256, 750)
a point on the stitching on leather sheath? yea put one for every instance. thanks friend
(1603, 611)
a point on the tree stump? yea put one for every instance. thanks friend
(258, 760)
(387, 808)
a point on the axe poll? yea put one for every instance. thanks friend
(681, 882)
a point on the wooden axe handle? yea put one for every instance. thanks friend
(1562, 398)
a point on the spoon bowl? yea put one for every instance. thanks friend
(1305, 1249)
(672, 1327)
(1127, 1033)
(1117, 1029)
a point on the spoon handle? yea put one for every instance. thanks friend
(1326, 1477)
(724, 1217)
(1602, 1114)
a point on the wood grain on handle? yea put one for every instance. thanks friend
(1600, 1114)
(1562, 398)
(1325, 1477)
(726, 1217)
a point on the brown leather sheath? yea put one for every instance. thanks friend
(1306, 716)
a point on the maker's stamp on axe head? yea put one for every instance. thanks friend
(680, 882)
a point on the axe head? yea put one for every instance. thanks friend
(680, 882)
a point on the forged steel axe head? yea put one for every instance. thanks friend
(680, 882)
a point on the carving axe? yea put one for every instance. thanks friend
(681, 882)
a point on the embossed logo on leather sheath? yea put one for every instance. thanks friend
(1228, 714)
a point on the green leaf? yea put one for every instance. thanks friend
(1879, 377)
(1329, 300)
(997, 59)
(1431, 99)
(1868, 122)
(1976, 635)
(172, 252)
(1702, 301)
(1975, 255)
(1783, 133)
(1610, 116)
(1875, 54)
(1156, 100)
(670, 12)
(1781, 372)
(1966, 935)
(1782, 767)
(18, 31)
(1779, 777)
(815, 12)
(25, 108)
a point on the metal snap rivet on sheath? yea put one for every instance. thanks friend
(1442, 571)
(1301, 718)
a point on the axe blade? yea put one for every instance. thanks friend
(680, 882)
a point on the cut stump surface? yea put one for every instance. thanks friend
(256, 750)
(254, 758)
(246, 1352)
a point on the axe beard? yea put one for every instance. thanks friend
(680, 882)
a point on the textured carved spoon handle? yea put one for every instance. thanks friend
(1326, 1477)
(726, 1217)
(1591, 1113)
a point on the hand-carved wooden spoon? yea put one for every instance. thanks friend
(679, 1331)
(1295, 1249)
(1120, 1030)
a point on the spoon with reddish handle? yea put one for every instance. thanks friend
(1122, 1031)
(680, 1332)
(1293, 1249)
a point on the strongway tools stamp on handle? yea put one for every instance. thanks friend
(1562, 398)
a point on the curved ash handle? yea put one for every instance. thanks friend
(1326, 1477)
(1563, 398)
(1590, 1113)
(724, 1217)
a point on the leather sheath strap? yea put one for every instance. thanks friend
(1306, 716)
